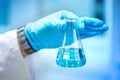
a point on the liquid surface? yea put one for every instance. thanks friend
(71, 57)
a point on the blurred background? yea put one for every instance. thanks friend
(102, 52)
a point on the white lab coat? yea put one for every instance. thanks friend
(42, 66)
(12, 64)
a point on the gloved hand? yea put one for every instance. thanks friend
(49, 31)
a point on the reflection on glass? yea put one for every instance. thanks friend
(72, 55)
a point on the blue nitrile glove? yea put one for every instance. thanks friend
(49, 31)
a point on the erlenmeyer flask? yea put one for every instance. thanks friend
(72, 55)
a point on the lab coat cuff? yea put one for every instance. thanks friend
(25, 45)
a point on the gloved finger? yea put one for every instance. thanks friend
(60, 15)
(87, 34)
(64, 28)
(93, 24)
(91, 27)
(66, 15)
(56, 24)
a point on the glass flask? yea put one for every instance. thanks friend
(71, 54)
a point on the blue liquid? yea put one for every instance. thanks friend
(71, 57)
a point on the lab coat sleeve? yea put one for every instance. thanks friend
(12, 64)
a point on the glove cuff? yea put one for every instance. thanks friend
(23, 41)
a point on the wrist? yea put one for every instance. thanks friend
(24, 45)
